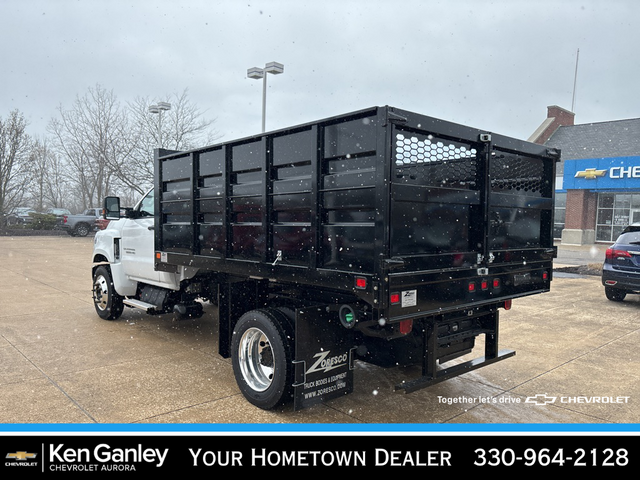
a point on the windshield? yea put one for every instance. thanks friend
(629, 238)
(146, 207)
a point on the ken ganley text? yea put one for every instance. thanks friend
(320, 458)
(103, 457)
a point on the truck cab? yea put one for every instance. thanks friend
(124, 273)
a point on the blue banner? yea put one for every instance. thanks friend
(603, 174)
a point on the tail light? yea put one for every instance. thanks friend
(613, 253)
(64, 219)
(406, 326)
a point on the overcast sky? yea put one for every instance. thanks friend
(494, 65)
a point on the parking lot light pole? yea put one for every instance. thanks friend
(159, 108)
(256, 73)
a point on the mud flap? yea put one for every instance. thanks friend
(324, 357)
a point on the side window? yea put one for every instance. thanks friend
(147, 205)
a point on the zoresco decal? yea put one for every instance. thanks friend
(326, 363)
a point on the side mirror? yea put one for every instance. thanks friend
(111, 210)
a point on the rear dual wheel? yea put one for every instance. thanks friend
(262, 353)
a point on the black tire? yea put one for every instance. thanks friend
(81, 230)
(615, 294)
(106, 300)
(262, 353)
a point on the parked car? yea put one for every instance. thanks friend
(621, 268)
(81, 225)
(20, 216)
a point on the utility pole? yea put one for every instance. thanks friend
(575, 80)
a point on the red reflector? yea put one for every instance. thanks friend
(545, 275)
(472, 287)
(496, 283)
(406, 326)
(395, 298)
(507, 304)
(484, 285)
(361, 282)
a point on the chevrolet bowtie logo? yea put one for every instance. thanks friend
(540, 399)
(591, 173)
(21, 455)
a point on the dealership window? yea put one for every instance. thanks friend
(615, 212)
(560, 214)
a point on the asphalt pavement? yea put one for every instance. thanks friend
(577, 360)
(573, 255)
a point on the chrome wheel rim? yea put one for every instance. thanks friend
(256, 359)
(100, 292)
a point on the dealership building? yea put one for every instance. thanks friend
(598, 179)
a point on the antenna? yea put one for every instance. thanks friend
(575, 79)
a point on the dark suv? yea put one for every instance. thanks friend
(621, 269)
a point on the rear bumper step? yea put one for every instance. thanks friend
(445, 374)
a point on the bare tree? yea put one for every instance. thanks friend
(38, 173)
(14, 150)
(93, 137)
(106, 148)
(182, 127)
(49, 183)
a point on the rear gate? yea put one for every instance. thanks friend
(471, 220)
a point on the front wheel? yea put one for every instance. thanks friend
(262, 358)
(108, 303)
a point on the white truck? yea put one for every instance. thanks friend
(124, 268)
(381, 236)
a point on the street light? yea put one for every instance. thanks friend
(256, 73)
(159, 108)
